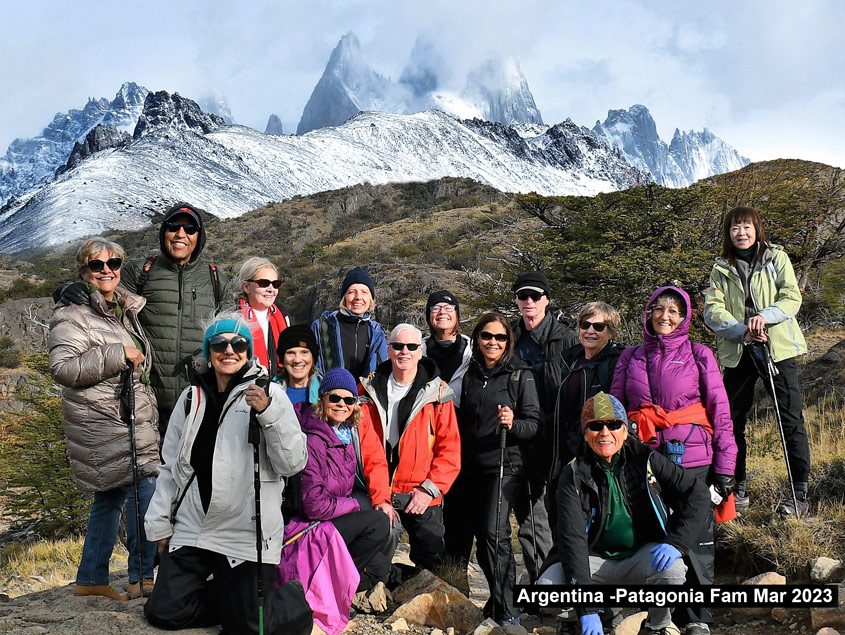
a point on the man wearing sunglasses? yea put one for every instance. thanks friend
(614, 523)
(539, 340)
(409, 449)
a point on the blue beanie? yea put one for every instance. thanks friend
(338, 378)
(226, 326)
(357, 276)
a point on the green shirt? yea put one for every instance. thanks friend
(616, 540)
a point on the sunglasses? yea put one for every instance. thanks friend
(349, 401)
(398, 346)
(613, 425)
(598, 327)
(97, 266)
(529, 295)
(487, 336)
(219, 344)
(190, 228)
(264, 283)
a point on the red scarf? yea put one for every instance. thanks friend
(259, 340)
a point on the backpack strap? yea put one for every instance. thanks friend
(145, 274)
(215, 285)
(513, 386)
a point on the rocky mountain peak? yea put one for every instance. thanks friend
(163, 110)
(99, 138)
(274, 126)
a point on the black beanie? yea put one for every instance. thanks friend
(357, 276)
(298, 335)
(442, 296)
(535, 280)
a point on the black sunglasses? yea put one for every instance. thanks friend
(398, 346)
(598, 327)
(218, 344)
(533, 295)
(189, 228)
(487, 336)
(97, 265)
(349, 401)
(264, 283)
(612, 425)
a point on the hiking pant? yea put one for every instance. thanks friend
(364, 533)
(533, 555)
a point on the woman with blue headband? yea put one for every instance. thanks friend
(203, 511)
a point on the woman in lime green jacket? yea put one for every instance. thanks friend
(753, 300)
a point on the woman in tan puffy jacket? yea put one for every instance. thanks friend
(91, 349)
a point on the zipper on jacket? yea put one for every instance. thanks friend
(180, 269)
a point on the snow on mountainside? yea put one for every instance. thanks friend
(216, 104)
(497, 90)
(229, 170)
(30, 162)
(690, 157)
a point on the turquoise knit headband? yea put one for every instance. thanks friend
(226, 326)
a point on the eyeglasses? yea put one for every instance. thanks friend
(190, 228)
(529, 295)
(264, 283)
(612, 425)
(219, 344)
(487, 336)
(598, 327)
(96, 266)
(349, 401)
(398, 346)
(442, 308)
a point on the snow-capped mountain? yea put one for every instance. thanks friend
(30, 162)
(274, 125)
(216, 104)
(690, 157)
(496, 90)
(180, 153)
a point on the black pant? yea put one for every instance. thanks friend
(425, 536)
(183, 596)
(364, 533)
(739, 384)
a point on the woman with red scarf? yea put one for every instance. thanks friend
(258, 285)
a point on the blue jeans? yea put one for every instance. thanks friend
(103, 524)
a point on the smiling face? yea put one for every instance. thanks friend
(592, 340)
(533, 309)
(337, 413)
(258, 297)
(358, 299)
(665, 316)
(298, 362)
(405, 359)
(179, 244)
(106, 280)
(228, 362)
(606, 443)
(743, 235)
(492, 348)
(443, 320)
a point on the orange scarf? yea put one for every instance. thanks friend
(650, 417)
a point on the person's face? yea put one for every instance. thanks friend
(442, 318)
(405, 359)
(606, 443)
(259, 297)
(534, 304)
(105, 280)
(298, 363)
(338, 412)
(178, 239)
(491, 343)
(743, 234)
(665, 317)
(591, 338)
(227, 362)
(358, 298)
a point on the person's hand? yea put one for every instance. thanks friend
(757, 326)
(256, 398)
(68, 293)
(591, 624)
(392, 514)
(724, 484)
(420, 500)
(750, 337)
(134, 356)
(506, 416)
(161, 545)
(663, 555)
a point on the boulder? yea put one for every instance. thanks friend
(827, 631)
(488, 627)
(439, 609)
(399, 626)
(825, 570)
(832, 617)
(631, 624)
(740, 615)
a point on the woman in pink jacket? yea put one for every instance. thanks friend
(672, 388)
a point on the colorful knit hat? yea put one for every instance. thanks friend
(602, 407)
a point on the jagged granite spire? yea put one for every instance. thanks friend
(163, 110)
(274, 126)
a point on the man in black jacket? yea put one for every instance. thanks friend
(614, 525)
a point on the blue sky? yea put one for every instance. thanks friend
(766, 76)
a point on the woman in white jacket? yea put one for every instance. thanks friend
(203, 510)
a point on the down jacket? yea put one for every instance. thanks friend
(671, 372)
(228, 527)
(326, 329)
(87, 357)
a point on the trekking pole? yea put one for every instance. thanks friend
(255, 439)
(771, 370)
(129, 389)
(533, 530)
(503, 436)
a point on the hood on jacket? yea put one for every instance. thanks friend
(311, 424)
(183, 209)
(683, 327)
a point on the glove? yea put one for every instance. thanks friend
(724, 484)
(68, 293)
(591, 624)
(663, 555)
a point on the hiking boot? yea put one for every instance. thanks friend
(646, 629)
(105, 590)
(697, 628)
(788, 508)
(741, 502)
(134, 589)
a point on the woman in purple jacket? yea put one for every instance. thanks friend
(673, 389)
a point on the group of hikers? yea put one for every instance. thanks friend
(269, 469)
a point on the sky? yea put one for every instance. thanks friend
(768, 76)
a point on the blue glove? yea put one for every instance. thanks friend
(664, 555)
(591, 624)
